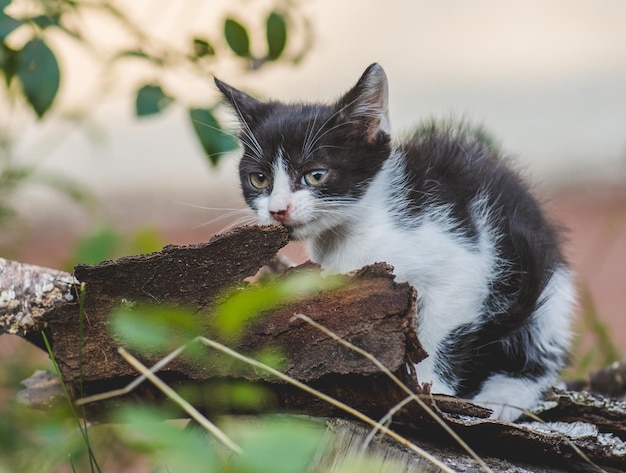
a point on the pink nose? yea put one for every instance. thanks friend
(280, 215)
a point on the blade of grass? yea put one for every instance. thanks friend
(133, 384)
(81, 327)
(344, 407)
(188, 408)
(83, 428)
(413, 396)
(400, 384)
(385, 420)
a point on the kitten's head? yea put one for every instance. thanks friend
(304, 165)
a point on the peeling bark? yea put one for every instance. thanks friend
(27, 292)
(371, 310)
(610, 380)
(348, 441)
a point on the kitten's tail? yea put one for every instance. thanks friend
(533, 266)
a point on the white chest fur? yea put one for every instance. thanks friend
(451, 275)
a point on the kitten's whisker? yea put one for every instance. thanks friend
(216, 128)
(307, 143)
(221, 217)
(329, 130)
(329, 146)
(221, 153)
(202, 207)
(247, 138)
(317, 135)
(256, 146)
(239, 222)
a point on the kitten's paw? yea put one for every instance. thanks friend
(501, 410)
(508, 397)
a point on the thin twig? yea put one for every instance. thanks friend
(385, 420)
(82, 428)
(133, 384)
(413, 396)
(401, 385)
(188, 408)
(344, 407)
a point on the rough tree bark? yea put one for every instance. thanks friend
(371, 310)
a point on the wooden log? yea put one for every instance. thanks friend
(371, 310)
(610, 380)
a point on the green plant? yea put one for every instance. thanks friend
(594, 347)
(34, 65)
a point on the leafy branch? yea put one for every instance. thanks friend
(34, 68)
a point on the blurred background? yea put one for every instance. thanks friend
(110, 123)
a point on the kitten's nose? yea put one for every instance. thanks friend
(280, 215)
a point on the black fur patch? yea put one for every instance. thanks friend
(447, 166)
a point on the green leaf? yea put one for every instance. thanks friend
(98, 246)
(7, 24)
(202, 48)
(213, 139)
(8, 62)
(276, 445)
(12, 176)
(6, 213)
(38, 69)
(276, 31)
(45, 21)
(227, 395)
(141, 332)
(167, 443)
(151, 100)
(237, 37)
(156, 328)
(138, 54)
(244, 305)
(146, 240)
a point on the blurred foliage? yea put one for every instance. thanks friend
(50, 441)
(35, 69)
(271, 444)
(107, 243)
(594, 347)
(35, 36)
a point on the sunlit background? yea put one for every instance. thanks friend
(548, 79)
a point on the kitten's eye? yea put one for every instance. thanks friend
(259, 180)
(314, 178)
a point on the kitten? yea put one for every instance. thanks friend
(494, 293)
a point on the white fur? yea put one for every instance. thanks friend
(280, 198)
(299, 204)
(553, 316)
(510, 397)
(452, 275)
(451, 278)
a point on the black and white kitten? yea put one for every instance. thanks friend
(494, 293)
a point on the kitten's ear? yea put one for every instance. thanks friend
(247, 107)
(367, 104)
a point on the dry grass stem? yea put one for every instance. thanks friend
(402, 386)
(188, 408)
